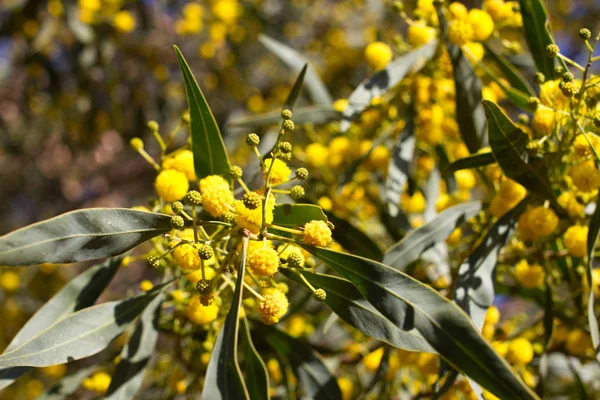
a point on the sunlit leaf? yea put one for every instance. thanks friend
(535, 18)
(82, 235)
(295, 215)
(412, 305)
(412, 246)
(472, 161)
(210, 156)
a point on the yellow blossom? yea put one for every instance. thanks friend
(575, 239)
(378, 55)
(280, 172)
(201, 314)
(171, 185)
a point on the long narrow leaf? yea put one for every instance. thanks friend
(81, 292)
(472, 161)
(409, 249)
(224, 379)
(210, 156)
(295, 61)
(257, 377)
(412, 305)
(594, 230)
(296, 89)
(353, 239)
(537, 36)
(82, 235)
(512, 74)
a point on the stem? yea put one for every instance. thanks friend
(290, 230)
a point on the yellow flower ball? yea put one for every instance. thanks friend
(10, 281)
(482, 24)
(511, 191)
(585, 176)
(414, 204)
(227, 10)
(263, 261)
(582, 148)
(99, 382)
(372, 360)
(465, 179)
(496, 9)
(520, 351)
(346, 387)
(183, 161)
(523, 229)
(529, 276)
(186, 255)
(146, 285)
(492, 316)
(279, 173)
(419, 34)
(542, 221)
(217, 200)
(458, 10)
(475, 52)
(273, 306)
(579, 343)
(55, 371)
(274, 370)
(460, 32)
(543, 121)
(124, 21)
(200, 314)
(214, 182)
(171, 185)
(379, 157)
(569, 202)
(499, 206)
(575, 239)
(340, 105)
(378, 55)
(316, 155)
(317, 233)
(252, 219)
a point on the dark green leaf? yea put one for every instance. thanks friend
(469, 113)
(346, 301)
(67, 385)
(224, 379)
(257, 377)
(443, 163)
(548, 314)
(79, 293)
(294, 215)
(135, 356)
(509, 146)
(319, 114)
(79, 335)
(410, 304)
(512, 75)
(472, 161)
(384, 80)
(295, 61)
(82, 235)
(592, 238)
(353, 239)
(210, 156)
(296, 89)
(537, 36)
(475, 286)
(410, 248)
(313, 376)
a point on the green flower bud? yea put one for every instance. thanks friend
(295, 260)
(552, 50)
(286, 114)
(533, 102)
(302, 174)
(194, 197)
(205, 252)
(398, 6)
(185, 118)
(136, 143)
(297, 192)
(177, 222)
(152, 262)
(568, 89)
(568, 76)
(320, 295)
(539, 78)
(585, 34)
(252, 140)
(205, 286)
(252, 200)
(153, 126)
(285, 147)
(235, 172)
(288, 125)
(177, 207)
(228, 217)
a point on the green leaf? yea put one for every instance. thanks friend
(82, 235)
(537, 35)
(409, 249)
(68, 385)
(410, 304)
(296, 89)
(475, 286)
(295, 61)
(443, 163)
(353, 239)
(592, 238)
(79, 293)
(345, 300)
(509, 146)
(294, 215)
(313, 376)
(469, 113)
(472, 161)
(224, 379)
(257, 377)
(79, 335)
(210, 156)
(135, 356)
(319, 114)
(512, 74)
(384, 80)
